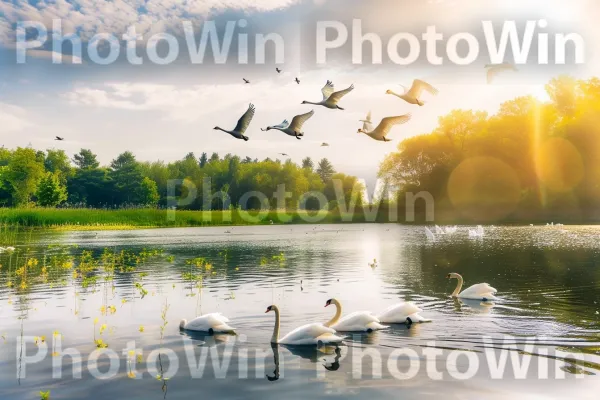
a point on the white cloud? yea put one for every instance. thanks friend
(13, 118)
(89, 17)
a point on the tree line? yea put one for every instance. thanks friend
(51, 178)
(532, 160)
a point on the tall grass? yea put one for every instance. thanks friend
(139, 218)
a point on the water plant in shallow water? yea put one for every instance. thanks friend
(45, 395)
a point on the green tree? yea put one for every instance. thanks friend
(149, 192)
(24, 171)
(51, 191)
(203, 160)
(126, 175)
(325, 170)
(308, 163)
(85, 159)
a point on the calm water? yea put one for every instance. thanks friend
(548, 279)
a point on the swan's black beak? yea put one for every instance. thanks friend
(448, 276)
(269, 309)
(328, 303)
(409, 322)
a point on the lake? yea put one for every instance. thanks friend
(129, 289)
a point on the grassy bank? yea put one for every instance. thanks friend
(88, 219)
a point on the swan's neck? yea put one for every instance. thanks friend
(396, 94)
(338, 314)
(224, 130)
(458, 286)
(316, 104)
(275, 337)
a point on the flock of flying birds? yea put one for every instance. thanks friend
(332, 98)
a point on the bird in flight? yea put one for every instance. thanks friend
(331, 98)
(295, 128)
(59, 138)
(494, 70)
(412, 95)
(367, 123)
(278, 70)
(324, 144)
(246, 80)
(242, 125)
(385, 126)
(297, 81)
(283, 154)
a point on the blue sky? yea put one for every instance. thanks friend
(163, 112)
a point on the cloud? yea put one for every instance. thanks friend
(88, 17)
(13, 118)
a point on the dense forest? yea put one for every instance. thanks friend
(533, 160)
(51, 179)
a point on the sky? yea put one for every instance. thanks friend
(162, 112)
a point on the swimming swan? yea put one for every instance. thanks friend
(211, 323)
(402, 313)
(360, 321)
(310, 334)
(479, 291)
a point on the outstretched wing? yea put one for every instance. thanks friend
(282, 125)
(419, 86)
(327, 90)
(388, 123)
(243, 123)
(337, 96)
(299, 120)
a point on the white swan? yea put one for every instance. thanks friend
(429, 234)
(367, 123)
(412, 95)
(439, 231)
(360, 321)
(494, 69)
(295, 128)
(402, 313)
(211, 323)
(330, 97)
(384, 127)
(477, 233)
(310, 334)
(451, 229)
(242, 125)
(479, 291)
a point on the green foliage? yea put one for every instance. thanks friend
(24, 171)
(51, 192)
(533, 160)
(325, 170)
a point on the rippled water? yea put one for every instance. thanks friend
(547, 278)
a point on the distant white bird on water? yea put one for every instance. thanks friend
(295, 128)
(385, 126)
(439, 231)
(413, 95)
(242, 125)
(331, 98)
(494, 70)
(429, 234)
(477, 233)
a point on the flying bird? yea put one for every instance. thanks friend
(246, 80)
(297, 81)
(242, 125)
(331, 98)
(283, 154)
(278, 70)
(324, 144)
(494, 70)
(59, 138)
(367, 123)
(412, 95)
(295, 128)
(385, 126)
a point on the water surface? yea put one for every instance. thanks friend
(547, 278)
